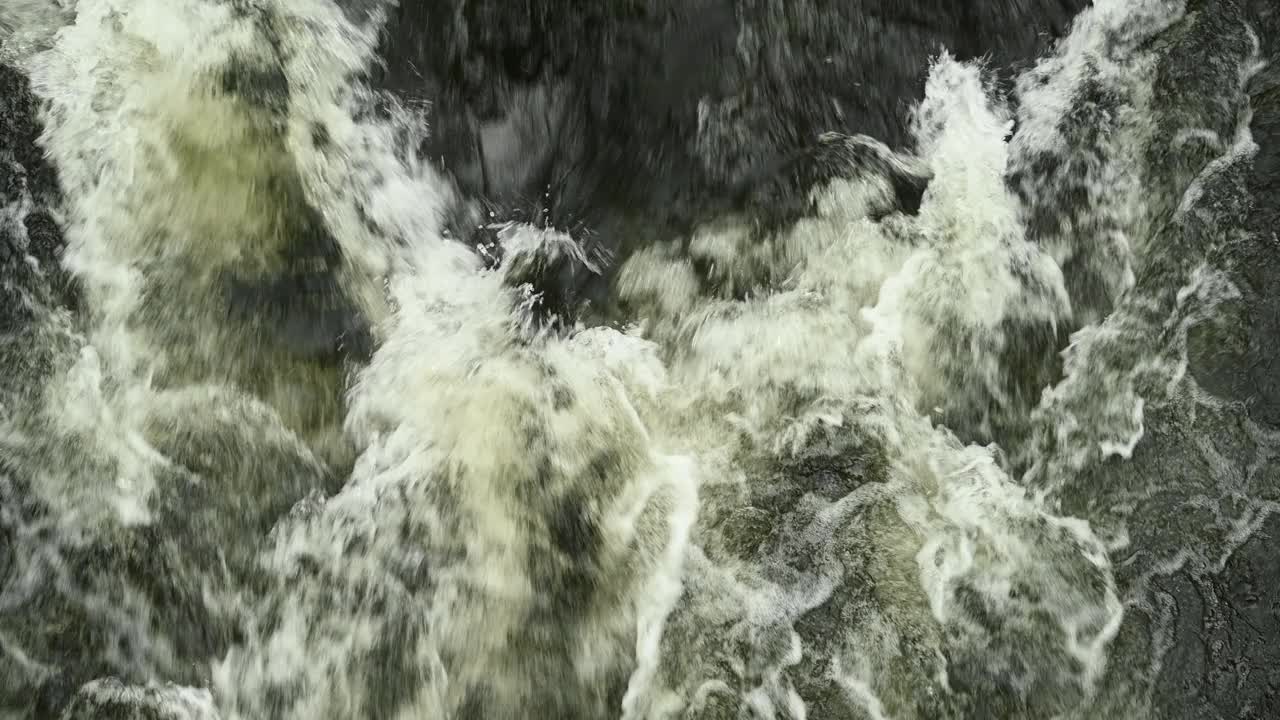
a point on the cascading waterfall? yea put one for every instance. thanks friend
(302, 454)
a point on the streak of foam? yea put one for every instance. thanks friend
(1096, 411)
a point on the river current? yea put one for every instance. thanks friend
(817, 472)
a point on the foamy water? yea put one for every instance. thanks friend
(791, 485)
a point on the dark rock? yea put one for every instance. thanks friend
(628, 122)
(1224, 662)
(647, 113)
(1253, 376)
(28, 188)
(19, 131)
(33, 284)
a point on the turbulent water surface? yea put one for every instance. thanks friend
(928, 421)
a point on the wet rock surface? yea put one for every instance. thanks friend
(669, 110)
(32, 280)
(1223, 600)
(1198, 500)
(28, 194)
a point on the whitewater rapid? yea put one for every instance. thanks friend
(810, 472)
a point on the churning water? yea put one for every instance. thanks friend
(806, 473)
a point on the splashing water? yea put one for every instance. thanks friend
(773, 489)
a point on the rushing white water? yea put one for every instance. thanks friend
(493, 519)
(876, 326)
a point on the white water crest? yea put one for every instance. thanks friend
(773, 490)
(873, 327)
